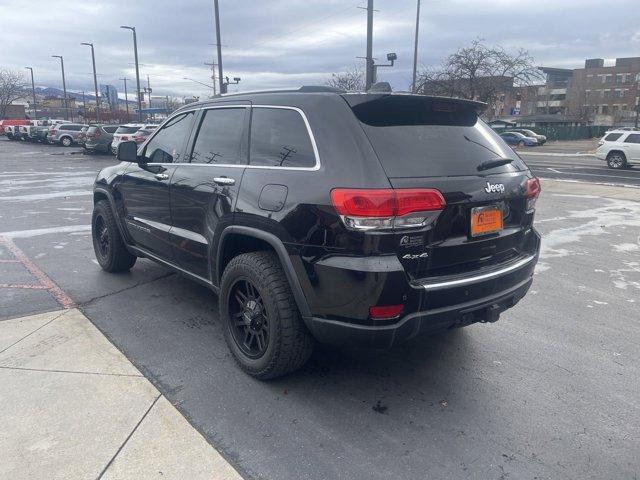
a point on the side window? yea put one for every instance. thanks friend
(633, 138)
(166, 146)
(219, 137)
(612, 137)
(279, 137)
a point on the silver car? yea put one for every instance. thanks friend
(65, 134)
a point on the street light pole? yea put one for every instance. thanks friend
(64, 87)
(126, 98)
(369, 58)
(223, 88)
(33, 92)
(135, 51)
(415, 50)
(95, 82)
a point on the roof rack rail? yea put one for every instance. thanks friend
(320, 88)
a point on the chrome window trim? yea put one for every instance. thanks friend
(314, 145)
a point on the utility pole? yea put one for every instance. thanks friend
(415, 50)
(95, 81)
(64, 87)
(637, 100)
(84, 107)
(223, 88)
(369, 57)
(135, 50)
(213, 75)
(33, 92)
(126, 98)
(149, 90)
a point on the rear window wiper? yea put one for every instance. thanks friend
(493, 163)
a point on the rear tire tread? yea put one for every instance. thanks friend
(294, 343)
(119, 258)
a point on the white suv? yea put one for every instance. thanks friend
(620, 149)
(125, 133)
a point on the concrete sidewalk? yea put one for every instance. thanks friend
(73, 407)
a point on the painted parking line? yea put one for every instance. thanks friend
(44, 282)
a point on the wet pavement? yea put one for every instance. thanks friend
(549, 391)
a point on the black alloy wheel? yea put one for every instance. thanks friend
(249, 319)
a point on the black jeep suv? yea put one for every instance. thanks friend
(316, 214)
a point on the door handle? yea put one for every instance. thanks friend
(224, 181)
(161, 176)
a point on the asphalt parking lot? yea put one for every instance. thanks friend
(571, 161)
(549, 391)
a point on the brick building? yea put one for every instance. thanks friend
(606, 94)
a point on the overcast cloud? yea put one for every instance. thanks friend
(281, 43)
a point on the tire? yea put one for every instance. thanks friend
(109, 248)
(617, 160)
(286, 343)
(66, 141)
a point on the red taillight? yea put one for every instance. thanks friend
(532, 188)
(385, 312)
(532, 191)
(53, 132)
(385, 202)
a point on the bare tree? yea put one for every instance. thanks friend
(12, 85)
(479, 72)
(351, 80)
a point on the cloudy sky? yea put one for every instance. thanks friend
(282, 43)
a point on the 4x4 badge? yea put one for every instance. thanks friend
(409, 256)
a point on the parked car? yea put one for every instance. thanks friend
(531, 134)
(319, 215)
(141, 135)
(82, 136)
(12, 121)
(99, 138)
(65, 134)
(12, 132)
(514, 138)
(620, 149)
(126, 134)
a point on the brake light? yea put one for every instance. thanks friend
(385, 312)
(532, 192)
(369, 209)
(532, 188)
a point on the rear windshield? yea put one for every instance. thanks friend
(612, 137)
(429, 137)
(127, 129)
(110, 129)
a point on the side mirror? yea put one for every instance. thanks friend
(128, 152)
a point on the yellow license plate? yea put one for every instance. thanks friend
(486, 220)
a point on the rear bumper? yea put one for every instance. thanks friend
(486, 309)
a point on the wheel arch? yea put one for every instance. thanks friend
(237, 239)
(612, 151)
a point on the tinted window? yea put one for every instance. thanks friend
(427, 137)
(612, 137)
(110, 129)
(279, 137)
(127, 129)
(633, 138)
(219, 138)
(166, 146)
